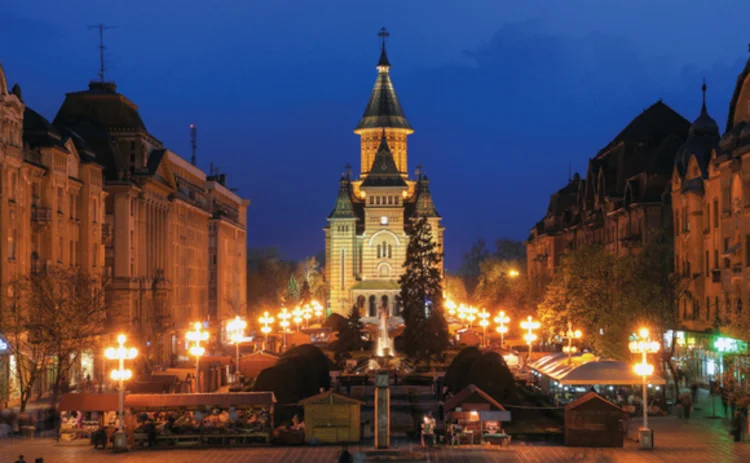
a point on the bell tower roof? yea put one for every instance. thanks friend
(383, 110)
(425, 206)
(344, 208)
(383, 171)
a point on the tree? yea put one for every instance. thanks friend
(425, 328)
(458, 370)
(304, 294)
(311, 272)
(498, 289)
(267, 279)
(52, 316)
(491, 374)
(292, 296)
(350, 334)
(455, 288)
(469, 269)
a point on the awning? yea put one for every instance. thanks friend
(83, 402)
(607, 372)
(199, 401)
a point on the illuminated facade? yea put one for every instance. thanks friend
(366, 235)
(711, 200)
(175, 237)
(622, 203)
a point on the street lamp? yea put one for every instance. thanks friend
(483, 322)
(196, 350)
(307, 314)
(121, 353)
(266, 320)
(513, 273)
(530, 325)
(644, 345)
(471, 317)
(571, 335)
(297, 313)
(501, 320)
(284, 317)
(450, 307)
(318, 312)
(237, 328)
(462, 312)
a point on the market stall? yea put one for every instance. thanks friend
(82, 414)
(200, 419)
(478, 417)
(331, 418)
(593, 421)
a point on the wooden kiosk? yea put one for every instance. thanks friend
(331, 418)
(593, 421)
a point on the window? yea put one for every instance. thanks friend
(708, 308)
(726, 244)
(716, 258)
(11, 244)
(72, 207)
(378, 251)
(12, 192)
(389, 251)
(696, 309)
(343, 268)
(716, 306)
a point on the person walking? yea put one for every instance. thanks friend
(345, 456)
(694, 392)
(687, 405)
(20, 459)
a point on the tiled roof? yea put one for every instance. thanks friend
(383, 110)
(384, 171)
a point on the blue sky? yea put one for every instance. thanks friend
(503, 95)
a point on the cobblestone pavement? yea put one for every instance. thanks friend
(699, 440)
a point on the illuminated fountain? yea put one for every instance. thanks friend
(384, 345)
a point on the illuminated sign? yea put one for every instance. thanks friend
(730, 345)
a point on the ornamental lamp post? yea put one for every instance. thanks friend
(237, 329)
(450, 307)
(571, 335)
(266, 320)
(307, 315)
(483, 322)
(121, 353)
(642, 344)
(318, 309)
(513, 273)
(471, 317)
(530, 325)
(297, 314)
(284, 317)
(196, 350)
(501, 320)
(462, 312)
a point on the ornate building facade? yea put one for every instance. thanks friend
(175, 237)
(366, 236)
(711, 198)
(622, 203)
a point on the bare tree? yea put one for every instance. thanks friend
(51, 317)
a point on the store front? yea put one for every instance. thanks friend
(706, 357)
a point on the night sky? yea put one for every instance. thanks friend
(503, 95)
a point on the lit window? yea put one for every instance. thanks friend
(383, 220)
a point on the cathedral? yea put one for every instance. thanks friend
(366, 236)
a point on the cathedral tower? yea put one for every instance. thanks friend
(383, 111)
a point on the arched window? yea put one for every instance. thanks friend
(385, 248)
(384, 301)
(396, 306)
(378, 251)
(739, 306)
(389, 251)
(373, 308)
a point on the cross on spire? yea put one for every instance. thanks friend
(419, 171)
(383, 34)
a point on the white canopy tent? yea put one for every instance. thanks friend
(588, 369)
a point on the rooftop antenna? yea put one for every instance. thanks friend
(193, 142)
(101, 28)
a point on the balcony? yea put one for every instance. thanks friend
(40, 218)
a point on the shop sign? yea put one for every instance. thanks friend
(730, 345)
